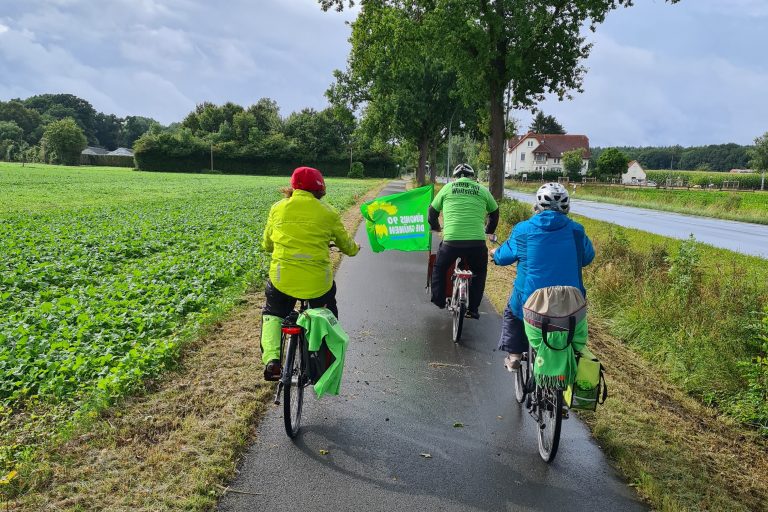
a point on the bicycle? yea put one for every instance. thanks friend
(544, 404)
(458, 302)
(295, 375)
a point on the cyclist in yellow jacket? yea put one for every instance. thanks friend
(298, 232)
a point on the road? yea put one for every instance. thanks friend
(405, 386)
(740, 237)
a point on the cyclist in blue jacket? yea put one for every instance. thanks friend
(550, 250)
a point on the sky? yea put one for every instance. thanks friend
(692, 73)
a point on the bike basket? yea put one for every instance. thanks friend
(319, 362)
(589, 388)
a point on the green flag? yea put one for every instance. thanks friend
(398, 222)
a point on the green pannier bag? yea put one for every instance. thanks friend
(589, 388)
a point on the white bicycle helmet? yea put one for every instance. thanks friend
(553, 196)
(463, 169)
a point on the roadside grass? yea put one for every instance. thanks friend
(44, 440)
(668, 364)
(728, 205)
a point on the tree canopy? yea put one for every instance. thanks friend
(34, 114)
(611, 163)
(63, 141)
(529, 48)
(394, 73)
(546, 125)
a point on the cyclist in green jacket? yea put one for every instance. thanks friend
(298, 232)
(465, 205)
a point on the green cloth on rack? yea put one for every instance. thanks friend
(320, 324)
(556, 368)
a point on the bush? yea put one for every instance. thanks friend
(357, 170)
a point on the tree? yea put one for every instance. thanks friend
(9, 130)
(759, 157)
(573, 162)
(546, 125)
(108, 129)
(611, 162)
(61, 106)
(27, 119)
(267, 116)
(63, 141)
(133, 128)
(534, 46)
(394, 71)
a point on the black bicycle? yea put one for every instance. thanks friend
(544, 404)
(295, 375)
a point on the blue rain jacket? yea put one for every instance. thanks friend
(550, 249)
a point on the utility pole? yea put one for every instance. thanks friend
(448, 157)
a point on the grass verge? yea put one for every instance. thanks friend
(175, 446)
(680, 454)
(728, 205)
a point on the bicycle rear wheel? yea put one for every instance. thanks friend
(293, 385)
(521, 378)
(550, 418)
(459, 309)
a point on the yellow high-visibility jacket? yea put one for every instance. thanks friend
(298, 231)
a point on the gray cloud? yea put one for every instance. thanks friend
(691, 73)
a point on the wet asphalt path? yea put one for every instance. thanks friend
(405, 386)
(743, 237)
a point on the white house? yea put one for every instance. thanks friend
(635, 175)
(536, 153)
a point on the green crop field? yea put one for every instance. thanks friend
(104, 271)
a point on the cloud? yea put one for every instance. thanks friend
(668, 89)
(160, 58)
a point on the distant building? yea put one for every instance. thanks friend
(635, 175)
(93, 150)
(741, 171)
(537, 153)
(121, 152)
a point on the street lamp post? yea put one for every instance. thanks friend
(448, 157)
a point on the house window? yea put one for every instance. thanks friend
(557, 160)
(530, 143)
(522, 157)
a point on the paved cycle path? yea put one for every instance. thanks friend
(405, 386)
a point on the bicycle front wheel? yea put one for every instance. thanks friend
(550, 416)
(293, 385)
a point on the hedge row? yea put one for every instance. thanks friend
(374, 167)
(107, 160)
(183, 152)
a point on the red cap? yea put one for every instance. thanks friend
(307, 178)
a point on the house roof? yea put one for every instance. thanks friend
(554, 145)
(121, 152)
(93, 150)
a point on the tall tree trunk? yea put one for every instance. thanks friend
(433, 167)
(496, 178)
(423, 153)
